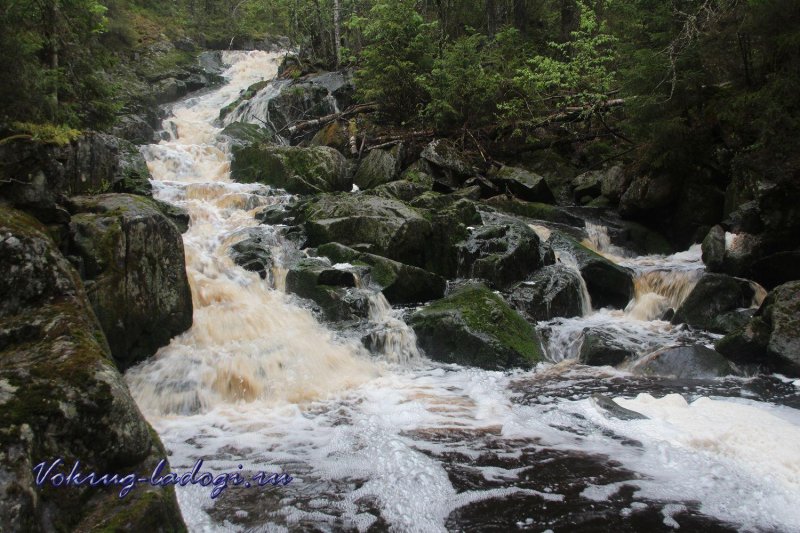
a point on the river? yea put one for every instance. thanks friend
(398, 442)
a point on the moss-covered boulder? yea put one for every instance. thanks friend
(402, 190)
(609, 285)
(333, 290)
(502, 254)
(38, 177)
(534, 210)
(550, 292)
(401, 284)
(475, 327)
(523, 184)
(445, 163)
(241, 134)
(381, 226)
(132, 260)
(772, 337)
(333, 135)
(377, 168)
(714, 295)
(295, 169)
(62, 396)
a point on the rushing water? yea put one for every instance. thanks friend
(397, 442)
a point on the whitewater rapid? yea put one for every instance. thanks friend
(398, 442)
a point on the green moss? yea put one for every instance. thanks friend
(485, 312)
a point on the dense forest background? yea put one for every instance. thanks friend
(681, 86)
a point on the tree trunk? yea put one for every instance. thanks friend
(491, 18)
(337, 39)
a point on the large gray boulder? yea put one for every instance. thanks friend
(295, 169)
(550, 292)
(399, 283)
(475, 327)
(772, 337)
(132, 260)
(523, 184)
(381, 226)
(685, 362)
(502, 254)
(334, 291)
(377, 168)
(714, 295)
(609, 285)
(62, 396)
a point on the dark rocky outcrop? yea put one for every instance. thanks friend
(600, 349)
(535, 210)
(446, 164)
(399, 283)
(369, 223)
(62, 396)
(553, 291)
(254, 252)
(38, 177)
(714, 295)
(609, 285)
(332, 290)
(475, 327)
(522, 184)
(502, 254)
(685, 362)
(772, 337)
(297, 170)
(377, 168)
(131, 258)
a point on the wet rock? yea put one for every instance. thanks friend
(609, 285)
(475, 327)
(587, 186)
(685, 362)
(714, 295)
(377, 168)
(535, 211)
(60, 393)
(732, 320)
(448, 165)
(254, 253)
(333, 290)
(600, 349)
(39, 177)
(133, 264)
(772, 337)
(402, 190)
(502, 254)
(381, 226)
(613, 183)
(552, 291)
(297, 170)
(612, 409)
(135, 129)
(399, 283)
(714, 249)
(241, 134)
(523, 184)
(647, 193)
(419, 173)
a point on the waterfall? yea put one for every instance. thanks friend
(248, 342)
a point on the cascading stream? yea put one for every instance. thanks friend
(258, 382)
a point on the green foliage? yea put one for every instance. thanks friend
(398, 52)
(462, 87)
(46, 133)
(577, 73)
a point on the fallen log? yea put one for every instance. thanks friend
(299, 127)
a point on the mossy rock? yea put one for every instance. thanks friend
(399, 283)
(241, 134)
(475, 327)
(402, 190)
(332, 290)
(550, 292)
(523, 184)
(62, 396)
(332, 135)
(377, 168)
(295, 169)
(247, 95)
(609, 285)
(132, 259)
(534, 210)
